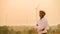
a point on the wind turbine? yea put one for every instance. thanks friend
(37, 10)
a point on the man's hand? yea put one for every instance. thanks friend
(41, 30)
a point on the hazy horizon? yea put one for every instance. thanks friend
(23, 12)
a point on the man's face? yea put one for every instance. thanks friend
(41, 14)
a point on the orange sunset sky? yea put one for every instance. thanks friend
(23, 12)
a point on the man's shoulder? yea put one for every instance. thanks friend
(44, 19)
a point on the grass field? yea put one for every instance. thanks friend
(26, 30)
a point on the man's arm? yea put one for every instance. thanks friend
(43, 25)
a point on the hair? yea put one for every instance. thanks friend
(43, 12)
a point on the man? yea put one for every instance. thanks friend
(42, 25)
